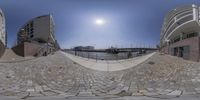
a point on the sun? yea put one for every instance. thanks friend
(99, 22)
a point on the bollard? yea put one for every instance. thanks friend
(88, 55)
(96, 57)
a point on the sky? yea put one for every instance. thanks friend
(127, 23)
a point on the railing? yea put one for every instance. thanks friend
(184, 14)
(107, 56)
(179, 22)
(175, 15)
(177, 11)
(178, 16)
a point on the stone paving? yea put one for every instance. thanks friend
(160, 76)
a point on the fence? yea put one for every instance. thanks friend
(106, 56)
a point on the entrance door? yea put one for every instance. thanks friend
(186, 52)
(175, 51)
(181, 52)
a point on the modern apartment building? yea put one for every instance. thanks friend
(36, 37)
(40, 29)
(2, 33)
(181, 31)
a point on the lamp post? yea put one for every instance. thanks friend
(168, 46)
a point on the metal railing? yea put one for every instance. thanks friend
(173, 17)
(179, 22)
(107, 56)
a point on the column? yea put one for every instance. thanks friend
(181, 36)
(195, 12)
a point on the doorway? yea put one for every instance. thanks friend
(183, 52)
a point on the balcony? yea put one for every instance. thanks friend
(179, 17)
(189, 26)
(180, 22)
(183, 24)
(177, 11)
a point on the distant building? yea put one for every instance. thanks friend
(36, 37)
(82, 48)
(3, 40)
(181, 31)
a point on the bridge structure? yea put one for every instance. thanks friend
(135, 49)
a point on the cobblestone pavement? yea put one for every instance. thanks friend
(161, 76)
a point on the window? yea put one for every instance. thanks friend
(27, 28)
(194, 34)
(31, 36)
(184, 36)
(177, 39)
(31, 24)
(31, 30)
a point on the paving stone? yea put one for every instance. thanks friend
(56, 75)
(86, 93)
(176, 92)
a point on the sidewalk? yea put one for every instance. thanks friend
(105, 65)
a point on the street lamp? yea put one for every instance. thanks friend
(167, 45)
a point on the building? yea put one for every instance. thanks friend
(3, 40)
(36, 37)
(181, 31)
(82, 48)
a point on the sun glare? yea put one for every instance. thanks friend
(99, 21)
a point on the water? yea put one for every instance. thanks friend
(104, 55)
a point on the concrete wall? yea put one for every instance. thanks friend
(2, 34)
(2, 28)
(41, 28)
(32, 49)
(2, 49)
(19, 49)
(26, 49)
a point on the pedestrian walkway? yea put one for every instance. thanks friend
(106, 65)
